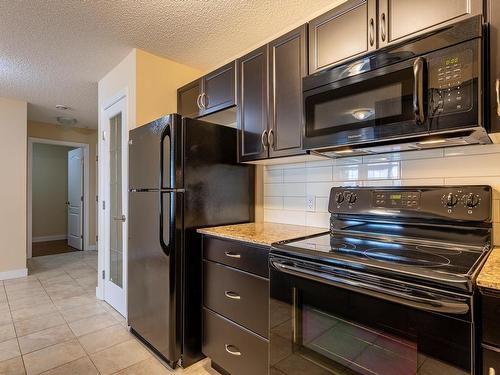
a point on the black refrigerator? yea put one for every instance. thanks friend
(183, 175)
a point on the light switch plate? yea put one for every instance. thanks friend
(311, 203)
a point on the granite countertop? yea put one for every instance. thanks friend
(261, 233)
(489, 277)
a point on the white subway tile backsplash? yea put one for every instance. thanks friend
(319, 174)
(318, 219)
(294, 189)
(294, 175)
(319, 189)
(379, 171)
(322, 204)
(294, 203)
(274, 203)
(273, 175)
(287, 185)
(285, 217)
(273, 190)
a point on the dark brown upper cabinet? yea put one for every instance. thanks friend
(212, 93)
(401, 19)
(188, 99)
(493, 17)
(342, 33)
(253, 105)
(287, 67)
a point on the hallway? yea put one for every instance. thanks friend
(51, 323)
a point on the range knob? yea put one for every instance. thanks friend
(339, 198)
(471, 200)
(451, 200)
(352, 198)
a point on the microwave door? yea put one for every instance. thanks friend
(385, 103)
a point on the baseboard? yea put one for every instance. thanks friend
(55, 237)
(92, 247)
(14, 274)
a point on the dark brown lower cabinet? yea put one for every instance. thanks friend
(490, 313)
(236, 306)
(237, 350)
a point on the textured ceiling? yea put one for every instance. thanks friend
(55, 51)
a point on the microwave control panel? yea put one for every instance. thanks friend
(450, 83)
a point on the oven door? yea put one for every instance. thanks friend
(333, 322)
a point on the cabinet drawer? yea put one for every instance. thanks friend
(235, 349)
(237, 295)
(490, 313)
(253, 259)
(491, 361)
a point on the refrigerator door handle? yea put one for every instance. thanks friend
(165, 226)
(166, 170)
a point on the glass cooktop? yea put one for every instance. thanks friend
(418, 260)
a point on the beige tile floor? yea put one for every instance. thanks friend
(51, 323)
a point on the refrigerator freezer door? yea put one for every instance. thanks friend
(152, 305)
(150, 154)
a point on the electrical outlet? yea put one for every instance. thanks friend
(311, 203)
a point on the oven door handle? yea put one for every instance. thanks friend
(418, 90)
(421, 303)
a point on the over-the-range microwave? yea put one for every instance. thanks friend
(426, 92)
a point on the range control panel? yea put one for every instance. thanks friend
(461, 203)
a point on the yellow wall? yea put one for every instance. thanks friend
(49, 191)
(13, 151)
(79, 135)
(157, 82)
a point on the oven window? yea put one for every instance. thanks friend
(377, 101)
(322, 329)
(364, 350)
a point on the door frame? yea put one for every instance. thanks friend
(103, 187)
(86, 186)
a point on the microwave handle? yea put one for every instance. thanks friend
(418, 90)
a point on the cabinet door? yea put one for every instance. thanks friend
(342, 33)
(491, 359)
(188, 99)
(287, 67)
(252, 105)
(493, 16)
(218, 90)
(399, 19)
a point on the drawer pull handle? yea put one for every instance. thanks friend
(492, 371)
(233, 350)
(232, 295)
(232, 255)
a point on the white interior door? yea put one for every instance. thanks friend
(75, 198)
(115, 183)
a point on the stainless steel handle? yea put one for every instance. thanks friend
(418, 90)
(382, 27)
(204, 100)
(263, 139)
(372, 31)
(120, 218)
(421, 303)
(234, 351)
(232, 295)
(497, 88)
(198, 101)
(270, 138)
(232, 255)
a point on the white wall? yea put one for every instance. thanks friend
(49, 191)
(13, 162)
(286, 187)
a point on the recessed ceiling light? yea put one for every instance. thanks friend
(62, 107)
(68, 121)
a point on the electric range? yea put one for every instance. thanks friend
(390, 289)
